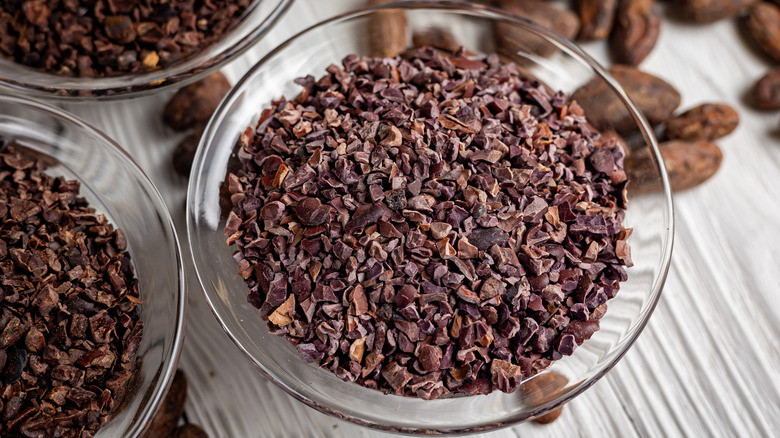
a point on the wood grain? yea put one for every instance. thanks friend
(708, 363)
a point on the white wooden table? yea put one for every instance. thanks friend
(708, 363)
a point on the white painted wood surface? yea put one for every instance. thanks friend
(708, 363)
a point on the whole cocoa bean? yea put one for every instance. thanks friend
(190, 431)
(709, 11)
(763, 24)
(636, 31)
(704, 122)
(511, 39)
(596, 17)
(195, 103)
(642, 174)
(549, 417)
(167, 418)
(185, 151)
(543, 388)
(766, 92)
(436, 37)
(654, 97)
(690, 163)
(387, 31)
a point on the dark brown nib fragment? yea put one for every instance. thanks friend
(69, 325)
(429, 225)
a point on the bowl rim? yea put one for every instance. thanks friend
(489, 13)
(149, 409)
(137, 85)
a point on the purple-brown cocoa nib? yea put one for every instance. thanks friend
(442, 225)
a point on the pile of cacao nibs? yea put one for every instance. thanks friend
(69, 322)
(632, 26)
(95, 38)
(429, 225)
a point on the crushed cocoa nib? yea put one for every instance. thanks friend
(429, 225)
(69, 325)
(96, 38)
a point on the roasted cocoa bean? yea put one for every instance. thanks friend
(549, 417)
(436, 37)
(543, 388)
(636, 31)
(709, 11)
(704, 122)
(690, 163)
(654, 97)
(387, 31)
(763, 24)
(167, 418)
(596, 18)
(511, 40)
(766, 92)
(195, 103)
(190, 431)
(185, 151)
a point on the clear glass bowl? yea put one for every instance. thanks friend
(116, 187)
(256, 21)
(310, 52)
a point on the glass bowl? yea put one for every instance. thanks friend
(256, 21)
(310, 52)
(115, 186)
